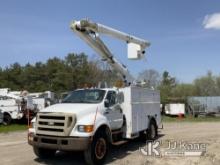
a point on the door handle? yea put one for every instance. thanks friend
(106, 112)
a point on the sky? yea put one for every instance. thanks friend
(184, 35)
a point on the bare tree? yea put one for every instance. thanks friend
(151, 77)
(206, 85)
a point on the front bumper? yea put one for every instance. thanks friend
(59, 143)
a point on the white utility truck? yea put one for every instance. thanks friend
(1, 117)
(10, 106)
(90, 120)
(13, 104)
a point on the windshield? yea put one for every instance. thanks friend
(85, 96)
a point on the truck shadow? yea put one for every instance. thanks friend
(119, 152)
(76, 158)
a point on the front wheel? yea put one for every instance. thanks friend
(98, 149)
(7, 119)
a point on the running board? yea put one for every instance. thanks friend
(116, 132)
(119, 142)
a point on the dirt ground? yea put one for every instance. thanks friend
(14, 149)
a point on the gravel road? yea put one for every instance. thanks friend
(14, 149)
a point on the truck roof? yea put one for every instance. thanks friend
(107, 89)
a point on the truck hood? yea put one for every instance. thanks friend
(71, 108)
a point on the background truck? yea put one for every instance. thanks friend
(18, 105)
(90, 120)
(1, 117)
(175, 109)
(10, 106)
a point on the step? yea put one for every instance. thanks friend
(116, 132)
(119, 142)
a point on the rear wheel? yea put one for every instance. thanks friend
(7, 119)
(98, 149)
(152, 131)
(44, 153)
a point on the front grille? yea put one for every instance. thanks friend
(55, 124)
(53, 117)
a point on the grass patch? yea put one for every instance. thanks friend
(190, 119)
(12, 127)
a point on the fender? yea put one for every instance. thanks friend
(13, 113)
(100, 121)
(7, 113)
(152, 118)
(92, 119)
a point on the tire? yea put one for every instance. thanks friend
(152, 131)
(196, 115)
(7, 119)
(149, 134)
(43, 153)
(98, 149)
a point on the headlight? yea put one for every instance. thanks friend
(85, 128)
(33, 122)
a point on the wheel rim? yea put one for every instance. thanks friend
(100, 148)
(153, 131)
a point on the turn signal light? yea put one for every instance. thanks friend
(85, 128)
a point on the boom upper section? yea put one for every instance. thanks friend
(89, 32)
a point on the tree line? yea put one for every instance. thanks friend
(58, 75)
(77, 70)
(173, 91)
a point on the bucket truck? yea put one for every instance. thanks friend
(90, 120)
(18, 105)
(1, 116)
(10, 106)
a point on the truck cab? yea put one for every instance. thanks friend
(73, 124)
(101, 101)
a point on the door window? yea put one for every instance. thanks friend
(111, 97)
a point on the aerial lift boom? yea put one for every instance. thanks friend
(89, 32)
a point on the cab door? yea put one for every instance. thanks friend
(113, 111)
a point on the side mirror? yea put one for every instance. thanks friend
(106, 103)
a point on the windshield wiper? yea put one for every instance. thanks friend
(90, 101)
(80, 101)
(69, 101)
